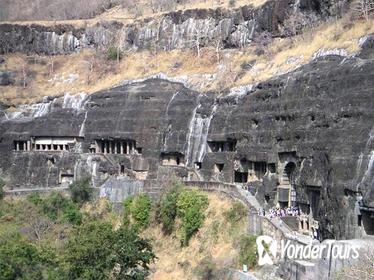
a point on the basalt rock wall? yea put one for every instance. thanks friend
(180, 29)
(318, 120)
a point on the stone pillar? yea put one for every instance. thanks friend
(121, 147)
(105, 147)
(115, 147)
(17, 146)
(29, 145)
(130, 147)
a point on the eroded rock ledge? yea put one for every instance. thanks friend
(180, 29)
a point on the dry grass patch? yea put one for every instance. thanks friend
(284, 55)
(145, 9)
(141, 9)
(90, 71)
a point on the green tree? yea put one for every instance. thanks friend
(138, 210)
(127, 205)
(96, 251)
(22, 260)
(71, 214)
(88, 251)
(191, 205)
(168, 209)
(141, 210)
(53, 204)
(81, 191)
(57, 207)
(132, 255)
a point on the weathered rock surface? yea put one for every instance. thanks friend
(180, 29)
(6, 78)
(320, 118)
(367, 46)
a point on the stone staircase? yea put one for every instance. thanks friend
(285, 181)
(251, 199)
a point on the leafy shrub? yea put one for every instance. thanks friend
(56, 206)
(127, 205)
(113, 53)
(132, 255)
(71, 214)
(248, 250)
(81, 191)
(236, 213)
(191, 205)
(2, 192)
(141, 210)
(53, 205)
(34, 198)
(138, 210)
(88, 249)
(20, 259)
(96, 251)
(168, 209)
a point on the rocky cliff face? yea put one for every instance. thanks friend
(220, 28)
(313, 126)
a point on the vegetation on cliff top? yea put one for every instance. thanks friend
(90, 70)
(47, 10)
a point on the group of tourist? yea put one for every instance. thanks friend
(293, 211)
(280, 212)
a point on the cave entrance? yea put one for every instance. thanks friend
(198, 165)
(288, 172)
(314, 196)
(240, 177)
(286, 190)
(218, 167)
(172, 159)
